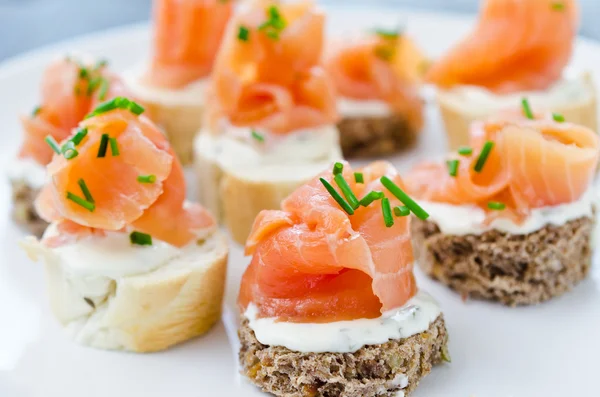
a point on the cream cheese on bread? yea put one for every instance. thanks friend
(348, 107)
(29, 171)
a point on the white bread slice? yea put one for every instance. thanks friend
(237, 180)
(142, 312)
(178, 112)
(574, 98)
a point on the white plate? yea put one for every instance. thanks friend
(547, 350)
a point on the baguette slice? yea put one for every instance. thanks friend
(142, 312)
(236, 191)
(574, 98)
(178, 112)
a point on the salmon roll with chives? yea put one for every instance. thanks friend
(272, 115)
(511, 215)
(130, 264)
(187, 36)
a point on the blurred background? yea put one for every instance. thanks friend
(27, 24)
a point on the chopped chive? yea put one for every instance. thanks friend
(82, 202)
(495, 205)
(336, 196)
(387, 212)
(465, 151)
(369, 198)
(558, 117)
(384, 52)
(53, 144)
(135, 108)
(117, 103)
(404, 198)
(359, 178)
(558, 6)
(85, 190)
(485, 152)
(78, 137)
(36, 110)
(274, 24)
(139, 238)
(146, 178)
(338, 168)
(104, 85)
(104, 107)
(527, 109)
(401, 210)
(93, 84)
(388, 33)
(101, 63)
(243, 33)
(452, 167)
(103, 146)
(346, 190)
(83, 73)
(114, 146)
(257, 136)
(68, 150)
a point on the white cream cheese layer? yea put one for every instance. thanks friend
(469, 219)
(362, 108)
(296, 155)
(346, 336)
(29, 171)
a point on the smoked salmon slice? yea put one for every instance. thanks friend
(124, 176)
(187, 36)
(383, 66)
(313, 262)
(267, 76)
(529, 164)
(70, 89)
(515, 46)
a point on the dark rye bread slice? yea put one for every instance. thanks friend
(511, 269)
(368, 136)
(24, 213)
(373, 370)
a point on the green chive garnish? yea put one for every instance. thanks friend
(82, 202)
(104, 85)
(139, 238)
(495, 205)
(388, 33)
(384, 52)
(85, 190)
(387, 212)
(558, 6)
(83, 73)
(336, 196)
(404, 198)
(369, 198)
(452, 167)
(146, 178)
(101, 63)
(93, 84)
(346, 190)
(103, 146)
(401, 210)
(243, 33)
(359, 178)
(338, 168)
(527, 109)
(257, 136)
(68, 150)
(53, 144)
(465, 151)
(114, 146)
(135, 108)
(558, 117)
(485, 152)
(36, 110)
(78, 137)
(274, 24)
(117, 103)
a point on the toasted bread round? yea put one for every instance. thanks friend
(144, 312)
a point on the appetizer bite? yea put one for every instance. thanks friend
(329, 301)
(517, 49)
(511, 215)
(271, 123)
(187, 36)
(377, 77)
(130, 264)
(70, 89)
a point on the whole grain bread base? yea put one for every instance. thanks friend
(373, 370)
(371, 136)
(23, 212)
(510, 269)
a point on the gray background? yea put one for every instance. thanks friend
(27, 24)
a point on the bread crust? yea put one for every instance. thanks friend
(510, 269)
(457, 119)
(23, 211)
(373, 370)
(141, 313)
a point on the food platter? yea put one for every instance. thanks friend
(545, 350)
